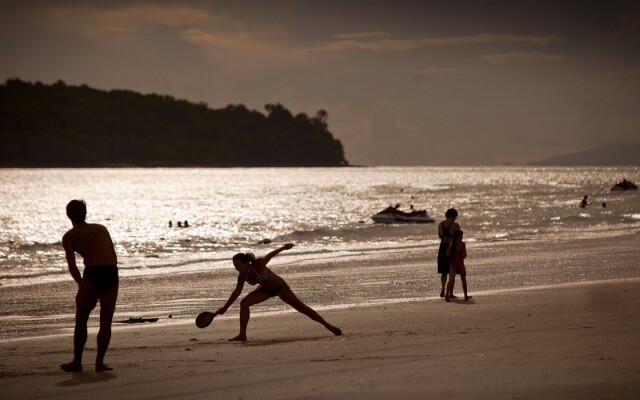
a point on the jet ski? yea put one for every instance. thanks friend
(624, 185)
(392, 215)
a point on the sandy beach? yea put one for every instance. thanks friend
(574, 341)
(557, 320)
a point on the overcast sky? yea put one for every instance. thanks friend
(404, 82)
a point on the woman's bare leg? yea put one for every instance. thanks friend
(445, 289)
(452, 281)
(290, 298)
(255, 297)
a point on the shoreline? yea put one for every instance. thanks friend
(335, 283)
(171, 323)
(518, 342)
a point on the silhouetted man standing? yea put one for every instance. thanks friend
(99, 281)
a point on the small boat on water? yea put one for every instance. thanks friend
(392, 215)
(624, 185)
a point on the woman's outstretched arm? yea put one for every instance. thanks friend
(265, 260)
(234, 295)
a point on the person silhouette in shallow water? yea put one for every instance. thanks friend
(99, 281)
(254, 271)
(584, 203)
(445, 232)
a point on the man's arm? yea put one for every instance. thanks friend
(67, 243)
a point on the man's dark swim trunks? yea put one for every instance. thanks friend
(101, 277)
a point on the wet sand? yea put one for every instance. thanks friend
(358, 279)
(577, 341)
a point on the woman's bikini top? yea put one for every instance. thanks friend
(253, 277)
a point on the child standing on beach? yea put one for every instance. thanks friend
(457, 251)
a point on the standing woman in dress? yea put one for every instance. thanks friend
(445, 232)
(253, 270)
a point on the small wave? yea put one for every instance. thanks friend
(212, 260)
(36, 246)
(306, 234)
(320, 235)
(32, 275)
(9, 247)
(357, 232)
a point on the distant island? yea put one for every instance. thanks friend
(610, 155)
(77, 126)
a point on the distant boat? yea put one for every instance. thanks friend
(624, 185)
(392, 215)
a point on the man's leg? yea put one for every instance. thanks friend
(108, 300)
(86, 300)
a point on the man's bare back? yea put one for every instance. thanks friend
(92, 242)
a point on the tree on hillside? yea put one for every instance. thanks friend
(59, 125)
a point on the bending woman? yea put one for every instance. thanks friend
(254, 271)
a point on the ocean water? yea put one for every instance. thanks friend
(324, 211)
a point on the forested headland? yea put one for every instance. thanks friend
(60, 125)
